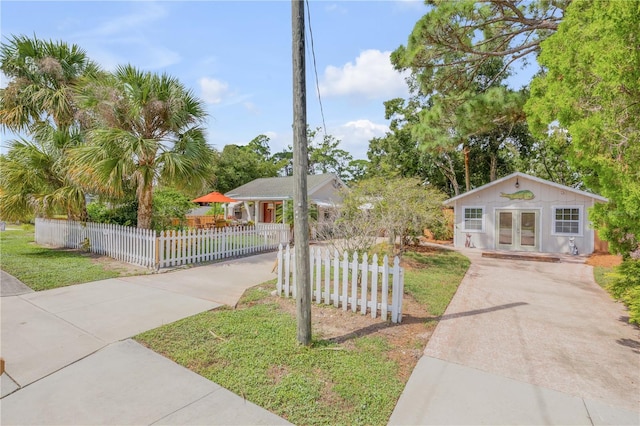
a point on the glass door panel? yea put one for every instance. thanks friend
(505, 228)
(528, 229)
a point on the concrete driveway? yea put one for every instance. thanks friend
(527, 343)
(68, 360)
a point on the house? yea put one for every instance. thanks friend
(259, 199)
(525, 213)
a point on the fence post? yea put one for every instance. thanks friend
(396, 297)
(385, 287)
(287, 268)
(336, 278)
(318, 254)
(327, 278)
(354, 282)
(345, 280)
(374, 286)
(279, 260)
(365, 282)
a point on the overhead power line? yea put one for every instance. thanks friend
(315, 67)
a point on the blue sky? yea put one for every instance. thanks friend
(236, 56)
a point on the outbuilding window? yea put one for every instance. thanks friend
(566, 220)
(473, 219)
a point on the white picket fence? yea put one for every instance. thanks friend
(203, 245)
(172, 248)
(352, 283)
(131, 245)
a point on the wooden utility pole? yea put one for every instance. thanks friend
(300, 167)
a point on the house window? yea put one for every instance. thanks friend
(473, 219)
(566, 220)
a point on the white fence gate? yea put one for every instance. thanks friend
(351, 283)
(142, 247)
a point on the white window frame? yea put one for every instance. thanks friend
(482, 221)
(580, 232)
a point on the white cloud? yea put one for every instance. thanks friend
(107, 42)
(271, 135)
(213, 91)
(355, 136)
(277, 143)
(372, 76)
(147, 14)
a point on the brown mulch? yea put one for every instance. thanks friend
(604, 259)
(111, 264)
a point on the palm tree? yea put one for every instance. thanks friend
(41, 78)
(144, 129)
(38, 102)
(35, 177)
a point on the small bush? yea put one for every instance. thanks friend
(170, 204)
(125, 214)
(625, 286)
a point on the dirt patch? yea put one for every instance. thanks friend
(407, 340)
(111, 264)
(608, 260)
(277, 372)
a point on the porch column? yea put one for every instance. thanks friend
(284, 209)
(256, 207)
(246, 207)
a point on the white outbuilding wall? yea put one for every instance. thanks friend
(524, 213)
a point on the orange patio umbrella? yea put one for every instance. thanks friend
(214, 197)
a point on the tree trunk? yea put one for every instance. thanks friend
(449, 172)
(467, 176)
(145, 206)
(493, 166)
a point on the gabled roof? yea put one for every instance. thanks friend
(525, 176)
(281, 188)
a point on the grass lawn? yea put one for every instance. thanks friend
(435, 288)
(353, 373)
(43, 268)
(601, 275)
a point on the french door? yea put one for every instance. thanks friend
(518, 230)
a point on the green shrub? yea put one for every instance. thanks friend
(169, 204)
(125, 214)
(215, 210)
(625, 286)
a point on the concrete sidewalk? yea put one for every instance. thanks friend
(126, 384)
(11, 286)
(71, 338)
(527, 343)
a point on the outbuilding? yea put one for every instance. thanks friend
(520, 212)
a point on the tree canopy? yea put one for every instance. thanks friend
(325, 156)
(590, 93)
(236, 165)
(455, 40)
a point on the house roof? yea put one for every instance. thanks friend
(281, 188)
(525, 176)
